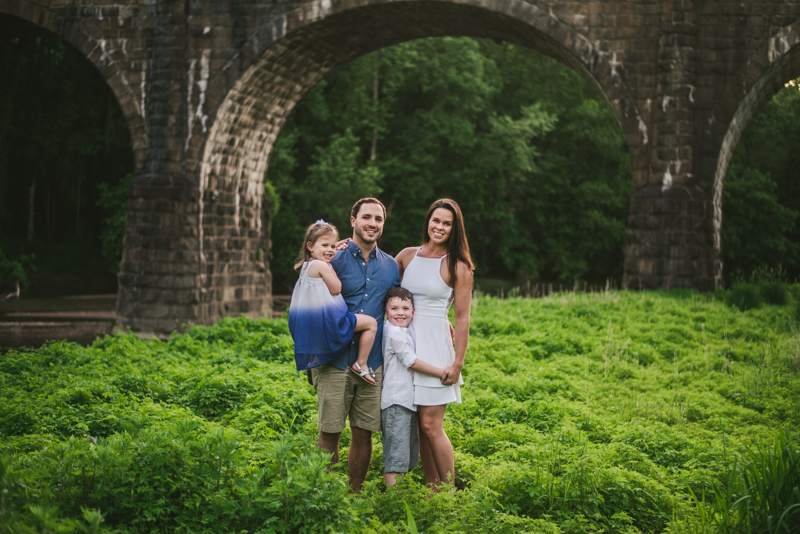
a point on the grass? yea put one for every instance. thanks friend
(583, 413)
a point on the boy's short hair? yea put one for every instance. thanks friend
(400, 293)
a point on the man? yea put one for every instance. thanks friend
(367, 273)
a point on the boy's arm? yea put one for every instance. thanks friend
(426, 368)
(409, 358)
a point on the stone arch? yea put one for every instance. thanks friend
(284, 58)
(98, 53)
(764, 74)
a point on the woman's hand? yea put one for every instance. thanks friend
(451, 374)
(341, 245)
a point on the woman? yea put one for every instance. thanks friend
(439, 273)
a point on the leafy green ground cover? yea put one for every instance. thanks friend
(610, 412)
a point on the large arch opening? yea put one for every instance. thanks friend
(66, 160)
(309, 43)
(529, 149)
(779, 66)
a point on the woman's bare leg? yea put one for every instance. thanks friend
(428, 465)
(368, 327)
(437, 445)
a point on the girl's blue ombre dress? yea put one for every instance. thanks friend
(318, 321)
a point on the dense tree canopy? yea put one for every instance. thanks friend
(527, 147)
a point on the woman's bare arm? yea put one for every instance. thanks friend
(461, 303)
(404, 257)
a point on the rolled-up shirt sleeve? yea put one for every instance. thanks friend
(402, 350)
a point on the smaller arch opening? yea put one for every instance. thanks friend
(761, 199)
(65, 162)
(777, 66)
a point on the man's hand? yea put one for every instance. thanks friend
(451, 374)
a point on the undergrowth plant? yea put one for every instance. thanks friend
(598, 413)
(759, 493)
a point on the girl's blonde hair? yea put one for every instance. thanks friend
(313, 233)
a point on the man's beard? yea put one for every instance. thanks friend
(360, 232)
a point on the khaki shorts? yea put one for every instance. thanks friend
(342, 394)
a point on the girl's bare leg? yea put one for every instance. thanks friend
(437, 458)
(368, 327)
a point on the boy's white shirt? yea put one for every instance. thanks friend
(398, 355)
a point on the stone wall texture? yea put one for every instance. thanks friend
(206, 86)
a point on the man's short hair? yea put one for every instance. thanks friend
(400, 293)
(368, 200)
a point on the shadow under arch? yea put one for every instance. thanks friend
(779, 62)
(287, 57)
(91, 145)
(32, 17)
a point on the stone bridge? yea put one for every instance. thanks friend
(206, 86)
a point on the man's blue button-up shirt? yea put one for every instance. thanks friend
(364, 288)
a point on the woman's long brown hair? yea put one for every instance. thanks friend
(457, 246)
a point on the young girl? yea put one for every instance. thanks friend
(318, 318)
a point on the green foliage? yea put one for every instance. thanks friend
(761, 198)
(744, 296)
(540, 170)
(759, 493)
(12, 271)
(582, 413)
(766, 287)
(114, 203)
(773, 292)
(757, 226)
(273, 198)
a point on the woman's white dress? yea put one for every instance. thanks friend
(430, 329)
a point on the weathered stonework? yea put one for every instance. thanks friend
(206, 86)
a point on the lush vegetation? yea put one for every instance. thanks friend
(583, 413)
(761, 198)
(529, 149)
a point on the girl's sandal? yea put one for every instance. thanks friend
(363, 374)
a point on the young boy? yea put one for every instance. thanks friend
(398, 413)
